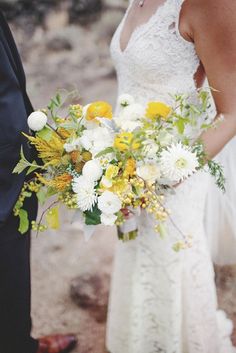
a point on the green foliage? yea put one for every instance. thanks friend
(23, 164)
(105, 151)
(24, 221)
(216, 170)
(45, 133)
(93, 217)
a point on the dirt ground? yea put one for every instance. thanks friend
(60, 257)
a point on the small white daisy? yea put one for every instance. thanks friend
(178, 162)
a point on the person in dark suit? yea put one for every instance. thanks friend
(15, 107)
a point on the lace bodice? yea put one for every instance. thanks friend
(157, 60)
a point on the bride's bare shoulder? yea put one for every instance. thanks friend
(205, 15)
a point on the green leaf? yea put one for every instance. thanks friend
(52, 218)
(42, 196)
(32, 168)
(93, 217)
(24, 221)
(51, 192)
(105, 151)
(45, 133)
(180, 126)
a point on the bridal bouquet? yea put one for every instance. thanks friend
(106, 166)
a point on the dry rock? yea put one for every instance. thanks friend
(90, 292)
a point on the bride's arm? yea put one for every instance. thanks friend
(211, 24)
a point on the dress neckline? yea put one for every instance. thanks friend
(138, 28)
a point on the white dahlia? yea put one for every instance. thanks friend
(96, 140)
(109, 203)
(125, 99)
(108, 219)
(86, 193)
(177, 163)
(37, 121)
(92, 170)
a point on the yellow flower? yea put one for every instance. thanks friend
(61, 182)
(120, 186)
(111, 172)
(64, 133)
(157, 109)
(99, 110)
(125, 140)
(130, 167)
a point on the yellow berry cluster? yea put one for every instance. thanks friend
(68, 200)
(34, 186)
(38, 227)
(76, 110)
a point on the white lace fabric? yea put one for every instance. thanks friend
(162, 301)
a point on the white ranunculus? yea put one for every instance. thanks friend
(125, 99)
(86, 193)
(73, 145)
(177, 163)
(149, 172)
(96, 140)
(109, 203)
(92, 170)
(108, 219)
(37, 121)
(133, 112)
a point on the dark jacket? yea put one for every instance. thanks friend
(15, 107)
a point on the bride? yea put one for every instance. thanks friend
(162, 301)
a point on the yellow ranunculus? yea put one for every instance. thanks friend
(99, 110)
(157, 109)
(111, 172)
(130, 167)
(125, 140)
(120, 186)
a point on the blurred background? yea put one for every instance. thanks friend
(65, 44)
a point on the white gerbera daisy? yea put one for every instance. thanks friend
(86, 193)
(109, 203)
(177, 163)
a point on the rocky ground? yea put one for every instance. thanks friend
(65, 44)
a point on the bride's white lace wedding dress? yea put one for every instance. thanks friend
(162, 301)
